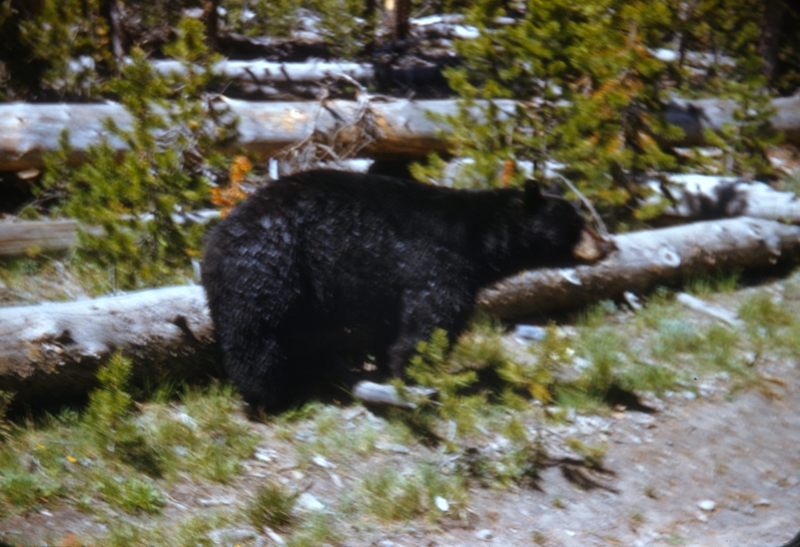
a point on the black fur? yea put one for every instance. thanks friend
(323, 266)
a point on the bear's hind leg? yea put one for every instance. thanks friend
(264, 377)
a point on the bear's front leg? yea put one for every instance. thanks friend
(439, 305)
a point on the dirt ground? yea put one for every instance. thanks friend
(742, 455)
(707, 468)
(736, 456)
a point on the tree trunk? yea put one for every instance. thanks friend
(645, 260)
(402, 127)
(704, 197)
(30, 237)
(211, 21)
(49, 353)
(771, 37)
(110, 11)
(18, 238)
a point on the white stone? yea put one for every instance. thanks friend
(309, 502)
(706, 505)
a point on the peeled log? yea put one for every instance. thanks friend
(17, 238)
(27, 131)
(50, 353)
(644, 260)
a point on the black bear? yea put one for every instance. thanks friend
(322, 266)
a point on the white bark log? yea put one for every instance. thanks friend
(18, 238)
(51, 351)
(698, 196)
(695, 197)
(385, 394)
(644, 260)
(27, 131)
(25, 236)
(705, 308)
(268, 72)
(693, 116)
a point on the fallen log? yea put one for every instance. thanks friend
(644, 260)
(50, 352)
(402, 128)
(28, 131)
(18, 238)
(269, 72)
(34, 236)
(698, 197)
(705, 197)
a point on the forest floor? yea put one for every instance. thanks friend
(711, 461)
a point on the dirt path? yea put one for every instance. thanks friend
(740, 453)
(743, 455)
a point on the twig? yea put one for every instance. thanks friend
(600, 224)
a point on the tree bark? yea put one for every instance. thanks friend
(771, 37)
(268, 72)
(24, 237)
(27, 131)
(211, 21)
(49, 353)
(110, 11)
(18, 238)
(705, 197)
(644, 260)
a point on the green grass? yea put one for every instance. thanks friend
(271, 506)
(132, 494)
(125, 455)
(711, 284)
(423, 490)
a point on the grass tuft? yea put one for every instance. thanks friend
(272, 506)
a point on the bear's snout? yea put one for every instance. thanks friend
(591, 247)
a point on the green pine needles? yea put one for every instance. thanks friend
(590, 96)
(143, 197)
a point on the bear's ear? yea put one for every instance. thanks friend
(533, 195)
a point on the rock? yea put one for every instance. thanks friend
(322, 462)
(221, 500)
(225, 537)
(392, 447)
(265, 455)
(706, 505)
(529, 334)
(484, 535)
(274, 536)
(309, 503)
